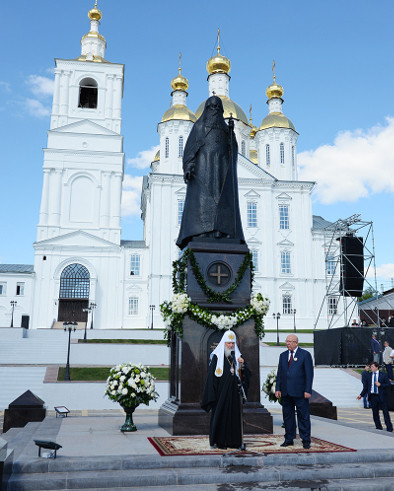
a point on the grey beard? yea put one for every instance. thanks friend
(227, 351)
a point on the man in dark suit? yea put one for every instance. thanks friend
(294, 387)
(375, 386)
(364, 379)
(376, 349)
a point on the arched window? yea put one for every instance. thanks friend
(88, 93)
(282, 153)
(167, 147)
(267, 155)
(286, 303)
(180, 151)
(243, 150)
(74, 282)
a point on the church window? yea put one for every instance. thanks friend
(88, 94)
(267, 155)
(180, 151)
(74, 282)
(181, 204)
(332, 305)
(255, 258)
(135, 265)
(284, 217)
(3, 288)
(243, 150)
(286, 303)
(20, 289)
(330, 265)
(252, 214)
(133, 305)
(282, 153)
(167, 147)
(285, 266)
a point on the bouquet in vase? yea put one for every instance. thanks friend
(269, 386)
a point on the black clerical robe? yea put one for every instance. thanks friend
(221, 397)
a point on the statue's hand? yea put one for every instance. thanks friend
(188, 175)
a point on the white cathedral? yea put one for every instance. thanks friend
(84, 271)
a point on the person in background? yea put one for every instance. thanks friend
(376, 349)
(364, 379)
(387, 360)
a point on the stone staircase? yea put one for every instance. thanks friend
(360, 470)
(14, 381)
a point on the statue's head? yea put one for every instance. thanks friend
(214, 104)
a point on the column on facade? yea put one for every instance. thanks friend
(116, 193)
(105, 199)
(109, 96)
(117, 99)
(56, 99)
(44, 199)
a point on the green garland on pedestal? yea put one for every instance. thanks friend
(173, 312)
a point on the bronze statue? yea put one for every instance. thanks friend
(210, 171)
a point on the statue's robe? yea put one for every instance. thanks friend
(211, 206)
(221, 397)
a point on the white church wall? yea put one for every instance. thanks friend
(17, 287)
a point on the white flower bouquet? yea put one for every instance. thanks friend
(269, 386)
(131, 385)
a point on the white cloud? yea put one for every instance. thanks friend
(131, 195)
(358, 164)
(41, 86)
(383, 272)
(36, 108)
(144, 158)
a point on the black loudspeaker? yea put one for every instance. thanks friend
(352, 262)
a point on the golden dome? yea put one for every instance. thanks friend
(229, 107)
(253, 156)
(253, 131)
(180, 82)
(157, 156)
(179, 111)
(218, 64)
(276, 120)
(274, 90)
(95, 13)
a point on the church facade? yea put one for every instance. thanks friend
(85, 272)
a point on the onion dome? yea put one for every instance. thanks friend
(179, 111)
(95, 13)
(276, 120)
(180, 82)
(274, 90)
(229, 107)
(157, 156)
(218, 63)
(253, 156)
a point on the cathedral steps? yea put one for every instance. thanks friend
(353, 470)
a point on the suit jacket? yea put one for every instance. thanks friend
(384, 381)
(375, 346)
(298, 378)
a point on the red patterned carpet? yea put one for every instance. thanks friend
(258, 444)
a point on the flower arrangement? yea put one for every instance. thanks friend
(180, 305)
(131, 385)
(269, 386)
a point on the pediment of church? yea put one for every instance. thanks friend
(252, 194)
(286, 286)
(181, 191)
(285, 242)
(85, 126)
(284, 197)
(76, 239)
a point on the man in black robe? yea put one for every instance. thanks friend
(210, 170)
(222, 395)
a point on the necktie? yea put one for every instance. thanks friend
(375, 389)
(290, 359)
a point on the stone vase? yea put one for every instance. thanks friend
(128, 425)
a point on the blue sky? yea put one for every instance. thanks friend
(334, 60)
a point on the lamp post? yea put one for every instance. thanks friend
(68, 326)
(13, 303)
(92, 306)
(152, 308)
(277, 317)
(88, 310)
(294, 311)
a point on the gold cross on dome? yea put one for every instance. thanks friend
(219, 275)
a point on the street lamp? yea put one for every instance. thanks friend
(68, 326)
(88, 310)
(294, 311)
(152, 308)
(92, 306)
(13, 303)
(277, 317)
